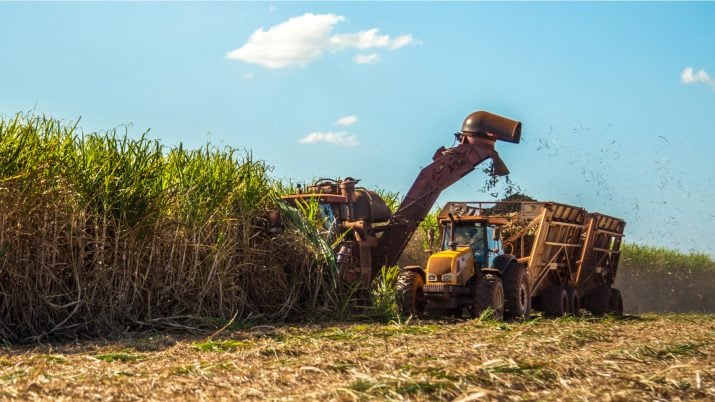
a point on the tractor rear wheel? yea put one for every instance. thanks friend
(615, 302)
(598, 301)
(409, 293)
(517, 292)
(488, 294)
(574, 301)
(554, 301)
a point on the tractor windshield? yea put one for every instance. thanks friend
(468, 235)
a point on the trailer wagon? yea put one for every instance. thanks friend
(552, 257)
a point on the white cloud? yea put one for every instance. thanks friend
(295, 42)
(347, 120)
(341, 139)
(370, 39)
(403, 40)
(689, 76)
(247, 76)
(301, 40)
(371, 58)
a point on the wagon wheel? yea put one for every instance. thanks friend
(598, 301)
(574, 301)
(517, 292)
(615, 302)
(554, 301)
(488, 293)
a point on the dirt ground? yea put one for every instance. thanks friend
(678, 291)
(668, 357)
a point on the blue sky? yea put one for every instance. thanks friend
(617, 99)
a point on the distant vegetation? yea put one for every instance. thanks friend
(658, 279)
(659, 259)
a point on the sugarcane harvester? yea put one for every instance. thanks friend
(375, 236)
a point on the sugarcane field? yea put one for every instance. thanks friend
(277, 201)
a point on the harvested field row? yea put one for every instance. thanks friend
(669, 357)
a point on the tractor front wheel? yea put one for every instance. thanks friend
(409, 293)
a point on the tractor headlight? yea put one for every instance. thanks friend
(431, 278)
(447, 277)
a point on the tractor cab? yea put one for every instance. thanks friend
(473, 244)
(483, 239)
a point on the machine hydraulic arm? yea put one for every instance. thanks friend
(479, 134)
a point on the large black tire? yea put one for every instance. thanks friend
(574, 301)
(615, 302)
(488, 293)
(455, 312)
(517, 292)
(598, 301)
(409, 293)
(554, 301)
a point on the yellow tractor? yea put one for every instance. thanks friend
(461, 275)
(556, 257)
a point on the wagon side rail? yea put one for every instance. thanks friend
(556, 247)
(601, 252)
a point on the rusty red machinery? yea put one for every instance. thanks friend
(377, 236)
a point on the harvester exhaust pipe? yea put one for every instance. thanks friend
(347, 190)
